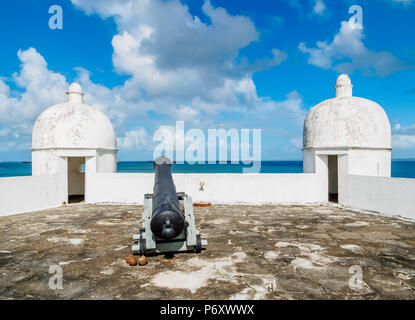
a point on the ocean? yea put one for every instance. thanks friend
(400, 168)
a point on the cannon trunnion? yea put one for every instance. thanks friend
(168, 220)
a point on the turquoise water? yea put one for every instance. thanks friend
(266, 167)
(400, 168)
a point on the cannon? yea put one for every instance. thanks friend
(168, 220)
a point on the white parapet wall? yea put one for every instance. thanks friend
(226, 188)
(392, 196)
(25, 194)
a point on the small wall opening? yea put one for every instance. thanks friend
(76, 179)
(333, 178)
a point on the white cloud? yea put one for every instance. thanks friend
(319, 7)
(278, 57)
(15, 137)
(403, 137)
(169, 52)
(137, 139)
(405, 2)
(292, 107)
(4, 132)
(309, 8)
(41, 88)
(185, 68)
(178, 68)
(399, 129)
(38, 88)
(347, 53)
(186, 113)
(400, 141)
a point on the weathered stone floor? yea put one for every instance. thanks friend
(254, 252)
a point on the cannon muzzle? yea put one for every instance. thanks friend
(167, 221)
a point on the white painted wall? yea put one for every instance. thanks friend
(316, 163)
(366, 162)
(394, 196)
(218, 188)
(44, 162)
(381, 194)
(106, 160)
(309, 161)
(25, 194)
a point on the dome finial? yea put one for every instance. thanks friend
(344, 87)
(75, 94)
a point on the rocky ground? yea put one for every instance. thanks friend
(254, 252)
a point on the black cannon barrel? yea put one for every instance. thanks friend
(167, 219)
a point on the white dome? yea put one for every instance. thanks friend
(347, 122)
(73, 125)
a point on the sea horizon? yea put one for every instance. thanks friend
(401, 168)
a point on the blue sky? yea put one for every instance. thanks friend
(214, 64)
